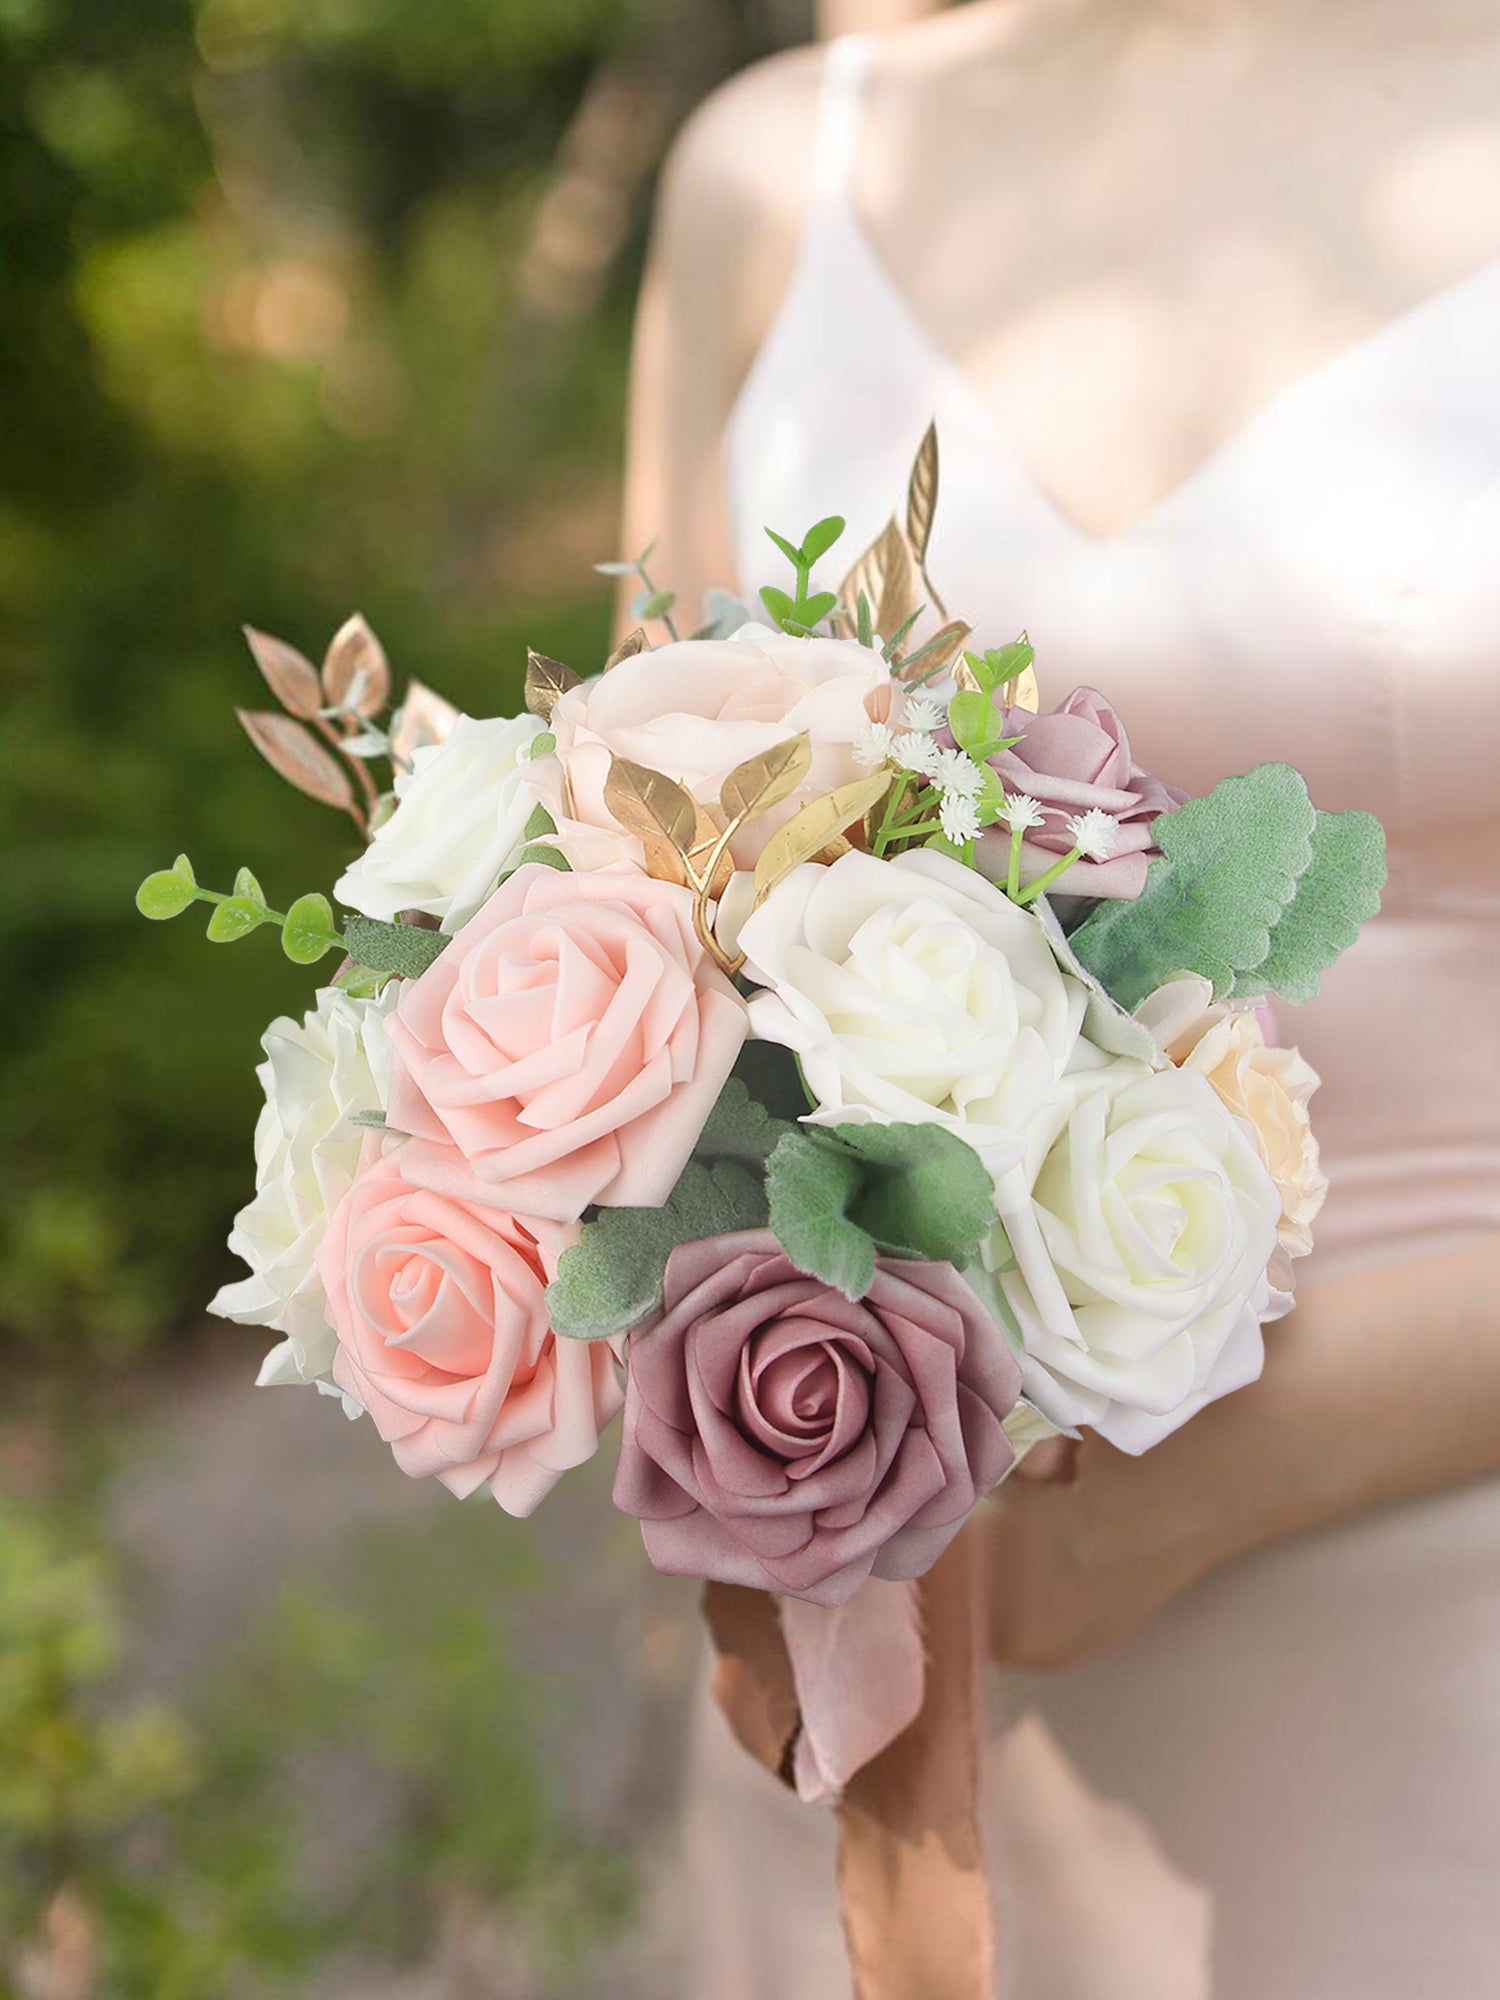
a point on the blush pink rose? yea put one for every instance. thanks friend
(779, 1436)
(696, 709)
(565, 1049)
(1070, 761)
(443, 1337)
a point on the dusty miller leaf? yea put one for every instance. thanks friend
(1338, 891)
(406, 949)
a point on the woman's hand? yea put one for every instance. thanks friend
(1379, 1387)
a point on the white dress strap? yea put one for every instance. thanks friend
(845, 69)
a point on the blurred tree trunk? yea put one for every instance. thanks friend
(856, 17)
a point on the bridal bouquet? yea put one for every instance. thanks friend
(792, 1037)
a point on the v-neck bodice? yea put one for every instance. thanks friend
(1324, 589)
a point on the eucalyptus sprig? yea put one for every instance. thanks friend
(653, 605)
(800, 614)
(307, 928)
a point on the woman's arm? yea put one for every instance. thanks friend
(1378, 1388)
(728, 218)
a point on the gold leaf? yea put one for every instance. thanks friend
(1023, 691)
(705, 839)
(355, 651)
(296, 755)
(761, 782)
(650, 805)
(965, 679)
(888, 578)
(422, 719)
(922, 495)
(633, 643)
(290, 675)
(938, 654)
(546, 682)
(833, 850)
(664, 863)
(809, 831)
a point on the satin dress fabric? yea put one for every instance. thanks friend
(1287, 1785)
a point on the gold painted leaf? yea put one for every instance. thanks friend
(546, 681)
(1023, 691)
(705, 840)
(650, 805)
(937, 655)
(290, 675)
(423, 718)
(633, 643)
(809, 831)
(922, 495)
(887, 576)
(965, 679)
(295, 754)
(664, 863)
(355, 652)
(761, 782)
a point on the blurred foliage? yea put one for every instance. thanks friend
(305, 306)
(365, 1763)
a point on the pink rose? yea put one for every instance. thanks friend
(779, 1436)
(1076, 758)
(441, 1316)
(697, 709)
(565, 1049)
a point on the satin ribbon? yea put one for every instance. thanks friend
(912, 1884)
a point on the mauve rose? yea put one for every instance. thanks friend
(779, 1436)
(1070, 761)
(565, 1049)
(441, 1315)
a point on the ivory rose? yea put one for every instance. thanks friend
(777, 1435)
(318, 1072)
(912, 990)
(1075, 760)
(443, 1337)
(1268, 1089)
(1139, 1275)
(565, 1049)
(695, 710)
(460, 821)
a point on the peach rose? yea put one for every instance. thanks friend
(695, 710)
(441, 1315)
(566, 1048)
(1266, 1088)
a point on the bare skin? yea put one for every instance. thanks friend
(1132, 223)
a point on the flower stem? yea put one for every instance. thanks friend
(1044, 882)
(1013, 876)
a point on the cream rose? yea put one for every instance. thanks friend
(318, 1072)
(460, 821)
(912, 991)
(695, 710)
(1139, 1275)
(1267, 1088)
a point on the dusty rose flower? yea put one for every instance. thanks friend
(441, 1316)
(1073, 761)
(1266, 1088)
(779, 1436)
(695, 710)
(565, 1049)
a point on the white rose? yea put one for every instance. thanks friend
(334, 1062)
(1139, 1276)
(913, 991)
(460, 821)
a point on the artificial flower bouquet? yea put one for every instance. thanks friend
(794, 1038)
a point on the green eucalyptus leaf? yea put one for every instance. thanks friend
(545, 857)
(1338, 891)
(540, 824)
(405, 949)
(234, 918)
(309, 930)
(656, 604)
(821, 537)
(971, 717)
(815, 609)
(246, 885)
(182, 866)
(777, 602)
(360, 983)
(788, 549)
(165, 894)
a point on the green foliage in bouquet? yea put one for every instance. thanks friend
(1253, 888)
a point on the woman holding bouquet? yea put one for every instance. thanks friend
(1204, 296)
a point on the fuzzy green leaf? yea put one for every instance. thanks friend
(811, 1187)
(234, 918)
(165, 894)
(309, 930)
(740, 1128)
(406, 949)
(1228, 867)
(611, 1278)
(1339, 891)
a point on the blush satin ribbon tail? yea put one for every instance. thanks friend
(912, 1884)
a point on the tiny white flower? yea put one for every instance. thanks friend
(958, 773)
(921, 713)
(958, 817)
(872, 745)
(1094, 834)
(1021, 812)
(916, 753)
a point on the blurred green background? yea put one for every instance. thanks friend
(306, 306)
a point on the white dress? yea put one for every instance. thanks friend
(1287, 1786)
